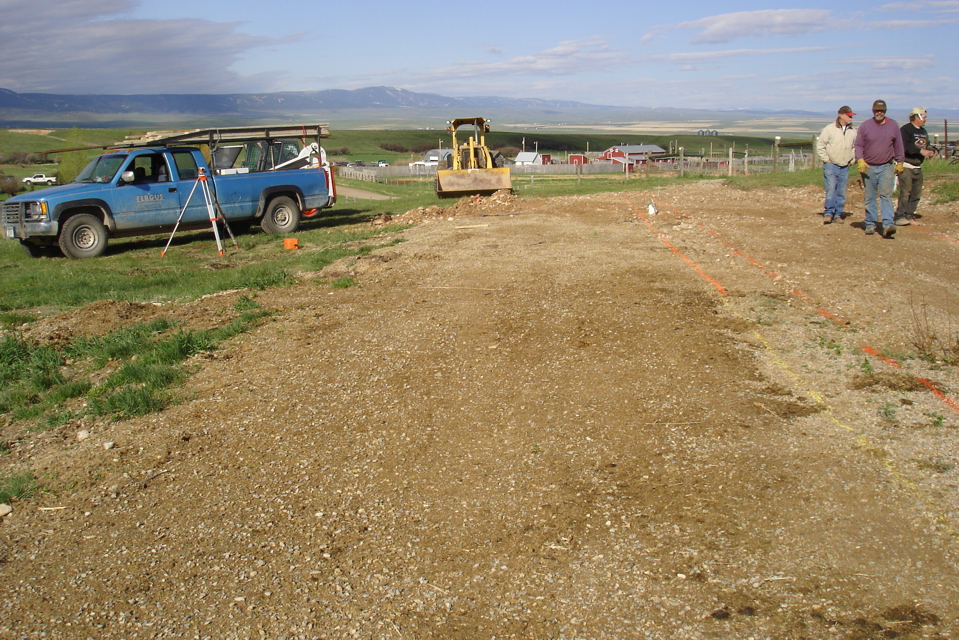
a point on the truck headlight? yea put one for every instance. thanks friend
(36, 212)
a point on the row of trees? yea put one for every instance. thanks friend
(23, 157)
(8, 184)
(399, 148)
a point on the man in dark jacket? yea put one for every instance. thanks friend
(915, 143)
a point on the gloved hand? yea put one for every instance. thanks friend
(900, 168)
(862, 166)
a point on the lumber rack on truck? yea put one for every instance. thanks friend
(214, 137)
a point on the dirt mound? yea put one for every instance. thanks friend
(500, 203)
(102, 316)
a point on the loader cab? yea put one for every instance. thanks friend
(473, 169)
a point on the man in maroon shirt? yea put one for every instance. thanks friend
(879, 156)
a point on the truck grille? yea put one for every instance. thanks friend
(11, 212)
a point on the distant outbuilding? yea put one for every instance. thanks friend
(529, 157)
(433, 158)
(633, 153)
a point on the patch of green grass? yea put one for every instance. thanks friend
(128, 402)
(13, 319)
(118, 344)
(133, 270)
(866, 367)
(946, 191)
(830, 344)
(145, 362)
(888, 410)
(179, 346)
(779, 179)
(343, 283)
(19, 486)
(26, 372)
(265, 276)
(937, 419)
(245, 303)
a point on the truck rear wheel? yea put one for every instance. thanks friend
(83, 236)
(282, 216)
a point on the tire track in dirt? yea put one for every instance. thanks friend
(817, 307)
(861, 438)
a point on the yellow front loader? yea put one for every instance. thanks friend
(472, 169)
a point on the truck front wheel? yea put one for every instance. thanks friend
(282, 216)
(83, 236)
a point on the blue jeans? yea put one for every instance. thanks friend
(880, 179)
(835, 179)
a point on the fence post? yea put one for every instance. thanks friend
(746, 162)
(776, 155)
(682, 161)
(730, 161)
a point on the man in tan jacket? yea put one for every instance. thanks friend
(837, 153)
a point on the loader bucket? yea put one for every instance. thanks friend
(452, 183)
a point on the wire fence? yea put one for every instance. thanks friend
(732, 164)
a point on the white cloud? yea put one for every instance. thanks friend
(712, 56)
(897, 63)
(934, 6)
(91, 47)
(764, 23)
(566, 58)
(894, 25)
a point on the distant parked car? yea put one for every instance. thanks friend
(39, 178)
(382, 163)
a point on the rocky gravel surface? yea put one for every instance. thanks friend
(578, 417)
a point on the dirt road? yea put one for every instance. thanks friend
(563, 418)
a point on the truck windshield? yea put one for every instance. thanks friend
(102, 168)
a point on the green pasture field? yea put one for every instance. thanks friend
(366, 145)
(133, 270)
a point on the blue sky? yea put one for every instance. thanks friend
(815, 56)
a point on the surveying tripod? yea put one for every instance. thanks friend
(204, 185)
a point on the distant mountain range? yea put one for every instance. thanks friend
(379, 107)
(20, 108)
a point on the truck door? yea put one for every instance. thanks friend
(185, 181)
(150, 199)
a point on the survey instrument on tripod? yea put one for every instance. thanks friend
(204, 185)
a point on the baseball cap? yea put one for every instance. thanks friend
(846, 110)
(918, 111)
(879, 105)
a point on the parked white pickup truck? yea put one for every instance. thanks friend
(39, 178)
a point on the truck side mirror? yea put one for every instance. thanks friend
(127, 176)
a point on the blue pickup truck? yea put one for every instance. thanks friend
(146, 190)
